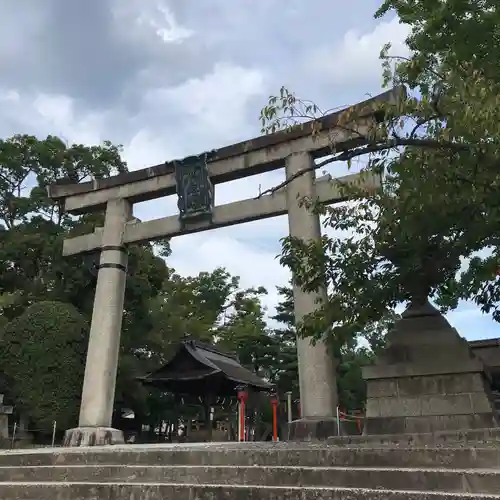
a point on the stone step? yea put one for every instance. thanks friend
(490, 437)
(444, 480)
(151, 491)
(264, 454)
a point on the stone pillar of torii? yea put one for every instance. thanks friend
(193, 180)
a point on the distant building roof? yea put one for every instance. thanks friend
(488, 350)
(202, 369)
(478, 344)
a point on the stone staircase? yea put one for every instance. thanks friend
(344, 469)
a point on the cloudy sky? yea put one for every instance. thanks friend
(169, 78)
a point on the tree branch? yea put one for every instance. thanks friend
(375, 147)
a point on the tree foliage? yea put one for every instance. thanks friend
(32, 230)
(244, 331)
(438, 150)
(32, 227)
(42, 354)
(213, 308)
(286, 372)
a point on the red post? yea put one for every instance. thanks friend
(274, 404)
(299, 411)
(358, 422)
(242, 397)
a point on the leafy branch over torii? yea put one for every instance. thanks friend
(400, 128)
(438, 150)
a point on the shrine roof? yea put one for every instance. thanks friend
(210, 361)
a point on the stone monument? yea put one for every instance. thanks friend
(427, 379)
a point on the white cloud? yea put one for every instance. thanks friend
(355, 59)
(9, 96)
(59, 113)
(212, 109)
(139, 22)
(167, 27)
(146, 149)
(199, 114)
(171, 122)
(42, 114)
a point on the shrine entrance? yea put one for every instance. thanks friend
(193, 179)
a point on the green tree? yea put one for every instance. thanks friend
(32, 230)
(190, 307)
(210, 307)
(32, 227)
(286, 369)
(438, 149)
(42, 353)
(244, 331)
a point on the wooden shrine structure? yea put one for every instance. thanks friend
(201, 374)
(201, 370)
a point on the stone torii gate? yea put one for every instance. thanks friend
(192, 179)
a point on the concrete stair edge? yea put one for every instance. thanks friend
(462, 437)
(152, 491)
(442, 457)
(479, 481)
(253, 471)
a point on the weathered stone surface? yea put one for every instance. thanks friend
(381, 388)
(456, 439)
(92, 436)
(263, 454)
(427, 380)
(452, 480)
(428, 395)
(488, 351)
(78, 491)
(445, 384)
(294, 471)
(313, 429)
(316, 368)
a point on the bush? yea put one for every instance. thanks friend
(43, 352)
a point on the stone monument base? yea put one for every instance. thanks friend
(313, 429)
(428, 403)
(427, 380)
(92, 436)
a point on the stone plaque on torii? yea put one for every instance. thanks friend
(193, 179)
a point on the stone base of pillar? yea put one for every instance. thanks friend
(313, 429)
(92, 436)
